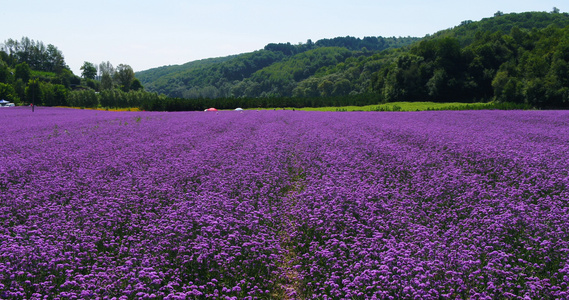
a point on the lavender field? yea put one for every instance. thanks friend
(284, 205)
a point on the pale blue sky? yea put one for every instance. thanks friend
(147, 34)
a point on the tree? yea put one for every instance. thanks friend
(106, 68)
(436, 84)
(499, 84)
(20, 88)
(106, 81)
(7, 92)
(34, 92)
(124, 76)
(286, 49)
(35, 54)
(89, 71)
(23, 71)
(60, 94)
(326, 87)
(54, 94)
(555, 10)
(448, 55)
(4, 72)
(136, 85)
(83, 98)
(54, 60)
(341, 87)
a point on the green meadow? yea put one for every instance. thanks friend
(415, 106)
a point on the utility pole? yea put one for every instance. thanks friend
(33, 99)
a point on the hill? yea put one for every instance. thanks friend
(504, 23)
(243, 75)
(518, 57)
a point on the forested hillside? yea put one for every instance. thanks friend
(521, 58)
(274, 71)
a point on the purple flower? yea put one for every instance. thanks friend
(423, 205)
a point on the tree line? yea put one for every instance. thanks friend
(35, 53)
(32, 73)
(182, 104)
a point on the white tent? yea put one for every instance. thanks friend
(4, 103)
(239, 109)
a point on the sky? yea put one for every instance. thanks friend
(148, 34)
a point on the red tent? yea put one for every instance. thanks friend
(211, 109)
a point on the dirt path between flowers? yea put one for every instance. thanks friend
(291, 288)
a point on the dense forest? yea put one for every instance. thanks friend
(519, 58)
(270, 72)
